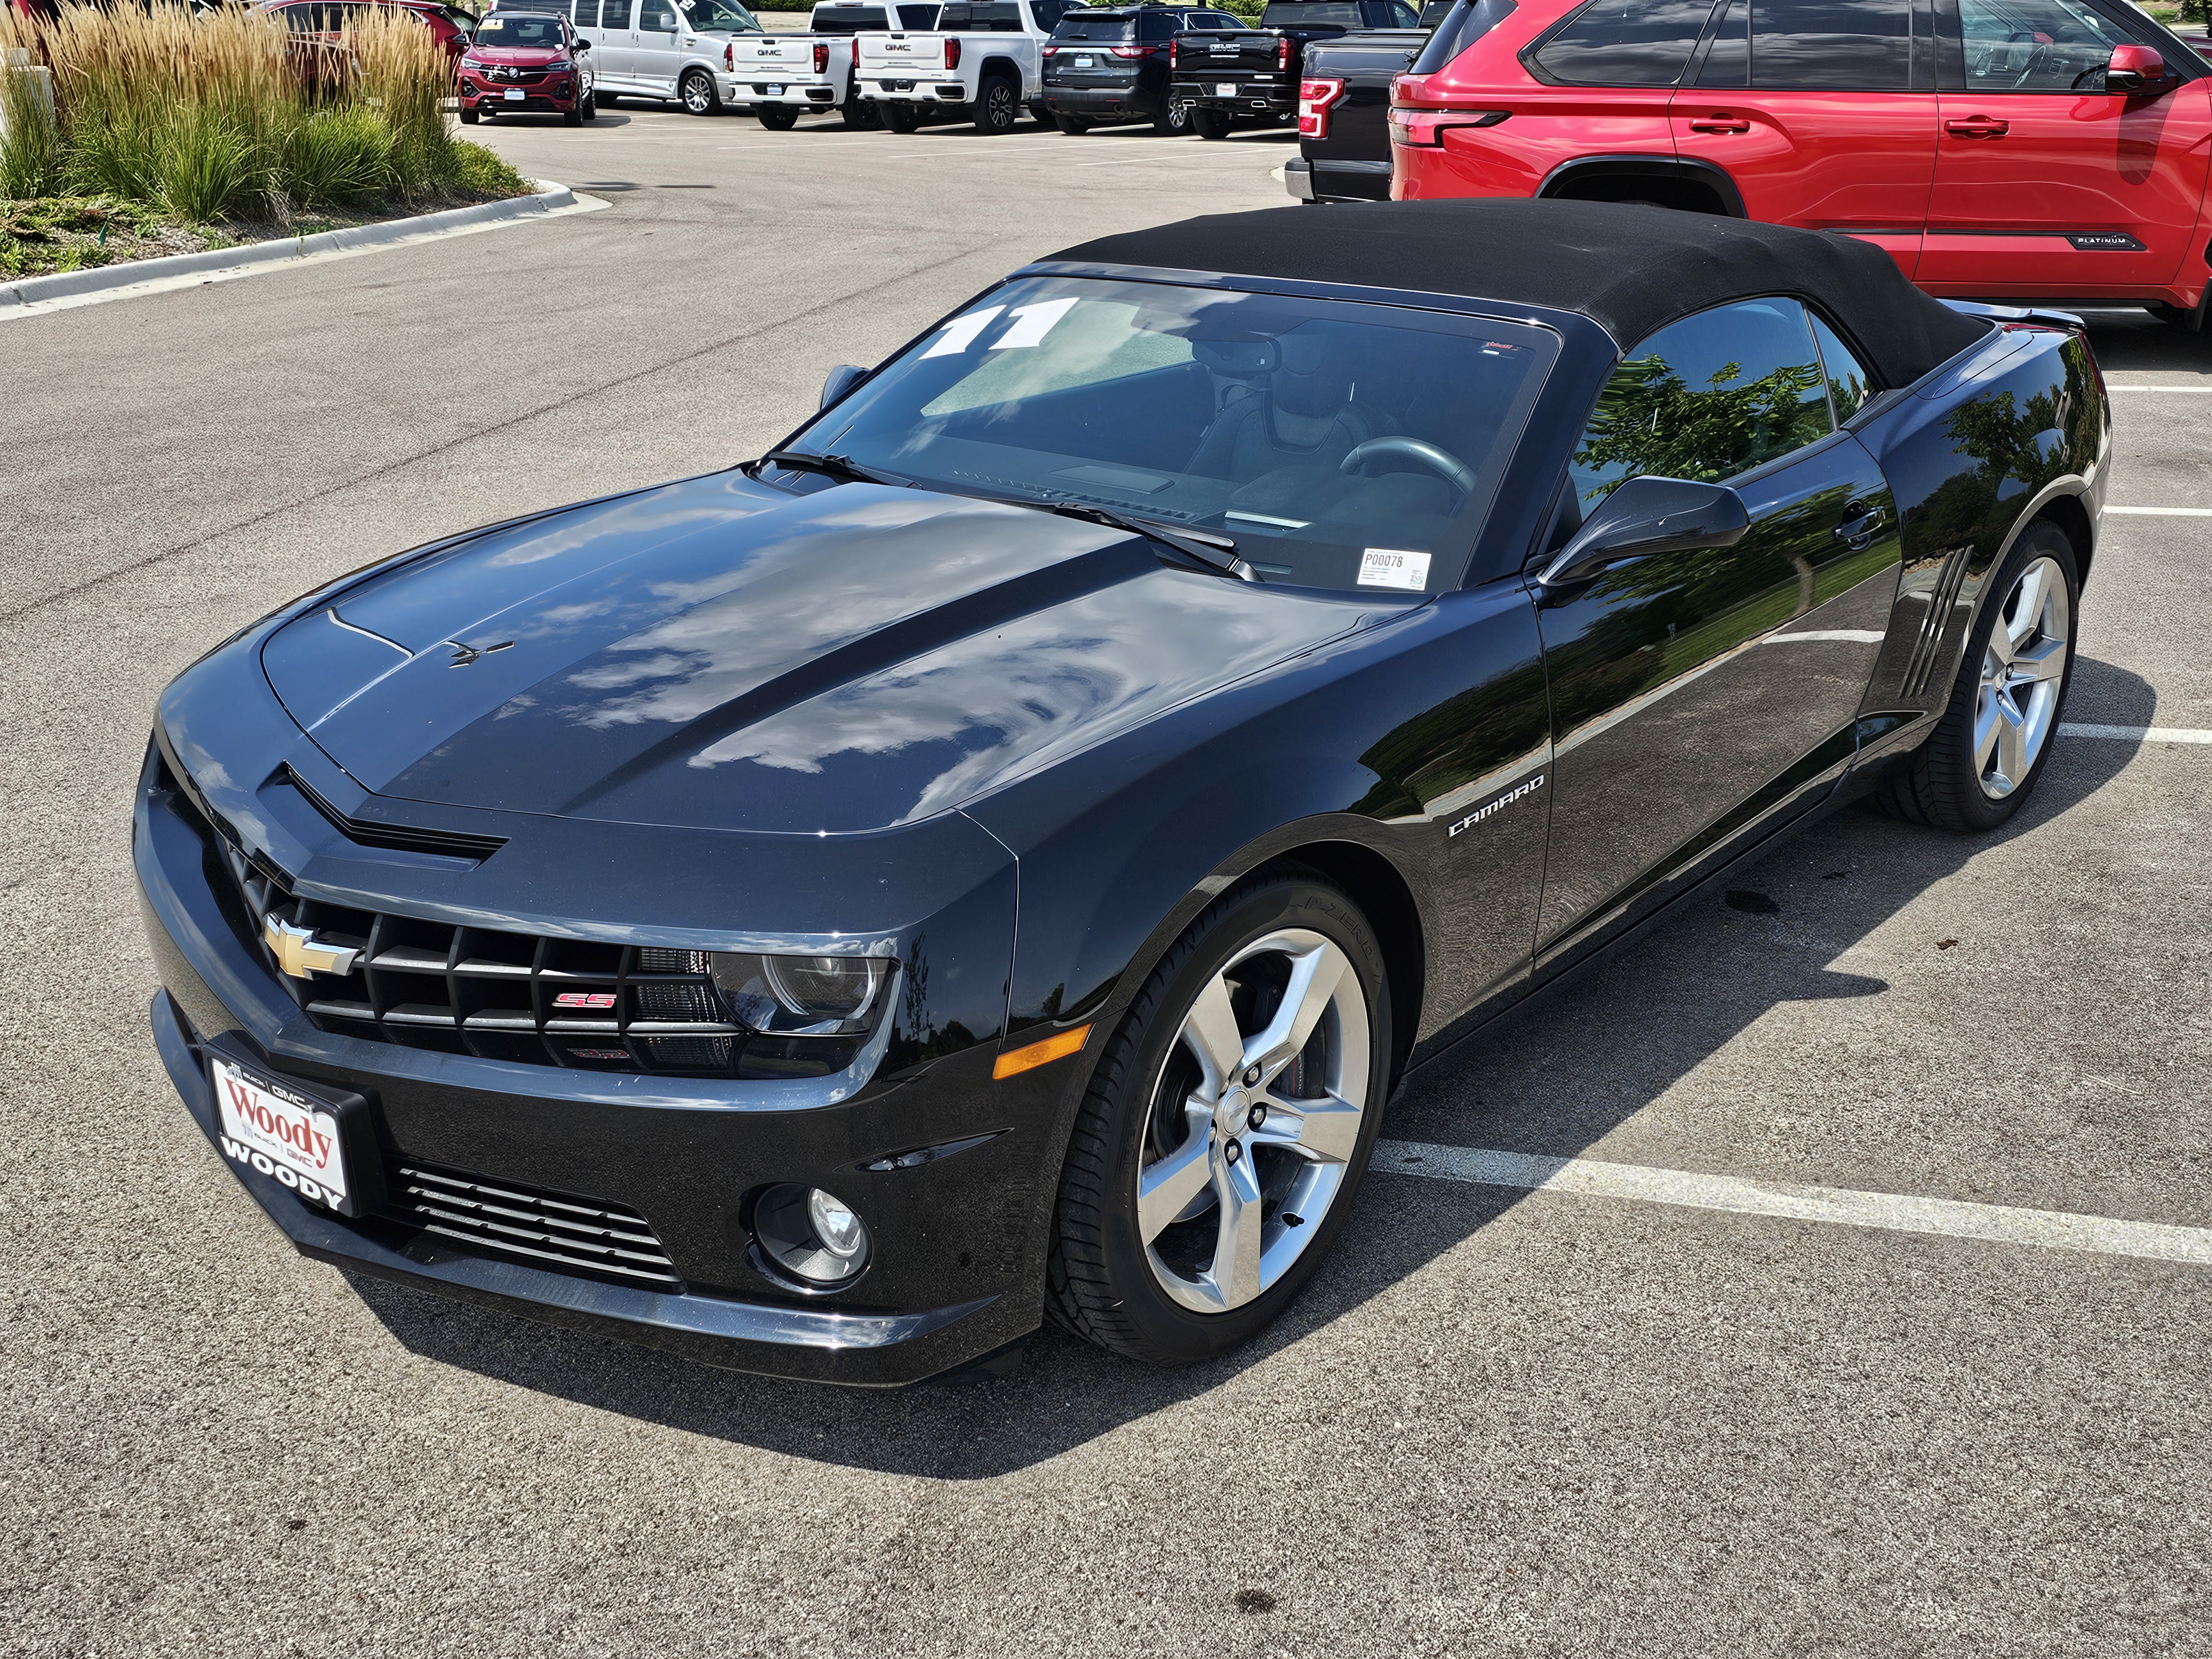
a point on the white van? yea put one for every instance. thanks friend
(677, 50)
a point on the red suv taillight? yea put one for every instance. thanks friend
(1133, 51)
(1174, 48)
(952, 54)
(822, 57)
(1315, 99)
(1283, 52)
(1050, 51)
(1426, 128)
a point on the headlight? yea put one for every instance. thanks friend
(802, 996)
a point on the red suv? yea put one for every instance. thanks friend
(2004, 149)
(332, 18)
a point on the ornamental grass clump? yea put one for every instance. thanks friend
(228, 115)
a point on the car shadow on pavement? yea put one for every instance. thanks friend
(1636, 1022)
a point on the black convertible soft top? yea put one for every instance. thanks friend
(1630, 268)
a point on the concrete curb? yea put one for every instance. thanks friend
(39, 293)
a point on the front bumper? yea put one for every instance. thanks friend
(539, 98)
(956, 1270)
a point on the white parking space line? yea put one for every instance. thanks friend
(2135, 733)
(1996, 1224)
(2185, 391)
(2163, 512)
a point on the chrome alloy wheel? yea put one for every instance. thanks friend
(2022, 672)
(1255, 1117)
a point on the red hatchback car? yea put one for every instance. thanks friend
(2001, 149)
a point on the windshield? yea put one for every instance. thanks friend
(1340, 445)
(725, 15)
(510, 29)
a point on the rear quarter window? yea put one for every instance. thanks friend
(1462, 24)
(1622, 43)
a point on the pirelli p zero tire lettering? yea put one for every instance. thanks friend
(1995, 735)
(1227, 1125)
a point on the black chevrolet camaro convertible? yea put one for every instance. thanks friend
(994, 857)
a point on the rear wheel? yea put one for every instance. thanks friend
(1991, 744)
(777, 118)
(698, 93)
(1074, 125)
(998, 106)
(1173, 120)
(902, 118)
(859, 114)
(1227, 1125)
(1210, 124)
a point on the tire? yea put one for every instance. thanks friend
(573, 116)
(1212, 124)
(902, 118)
(697, 93)
(998, 106)
(1142, 1126)
(859, 114)
(468, 116)
(1953, 781)
(591, 106)
(776, 118)
(1074, 125)
(1172, 122)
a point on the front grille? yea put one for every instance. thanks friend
(559, 1229)
(498, 995)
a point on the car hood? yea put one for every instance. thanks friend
(718, 654)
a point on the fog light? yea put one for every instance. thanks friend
(812, 1235)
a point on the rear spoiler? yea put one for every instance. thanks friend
(2021, 316)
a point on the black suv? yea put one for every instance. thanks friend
(1110, 63)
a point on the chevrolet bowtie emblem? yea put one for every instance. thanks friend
(300, 953)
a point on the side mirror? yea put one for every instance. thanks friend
(841, 380)
(2134, 69)
(582, 45)
(1645, 516)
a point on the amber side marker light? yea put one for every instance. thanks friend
(1015, 1061)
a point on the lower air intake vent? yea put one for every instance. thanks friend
(551, 1229)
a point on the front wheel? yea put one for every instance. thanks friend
(998, 106)
(1994, 739)
(698, 93)
(468, 116)
(1227, 1125)
(777, 118)
(902, 118)
(573, 116)
(1211, 123)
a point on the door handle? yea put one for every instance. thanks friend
(1977, 126)
(1861, 521)
(1721, 122)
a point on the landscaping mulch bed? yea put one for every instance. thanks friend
(51, 234)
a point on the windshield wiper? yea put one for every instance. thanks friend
(1206, 548)
(840, 467)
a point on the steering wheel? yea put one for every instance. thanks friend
(2076, 84)
(1442, 462)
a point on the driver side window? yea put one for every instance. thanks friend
(2036, 45)
(1706, 398)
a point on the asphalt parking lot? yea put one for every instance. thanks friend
(1503, 1420)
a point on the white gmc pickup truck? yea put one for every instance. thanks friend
(982, 60)
(787, 74)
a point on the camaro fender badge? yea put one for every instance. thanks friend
(466, 655)
(301, 954)
(1498, 805)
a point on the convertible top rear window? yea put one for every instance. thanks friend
(1339, 445)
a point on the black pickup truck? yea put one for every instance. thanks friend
(1344, 127)
(1219, 75)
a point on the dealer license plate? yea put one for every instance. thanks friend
(513, 94)
(771, 92)
(1224, 89)
(275, 1130)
